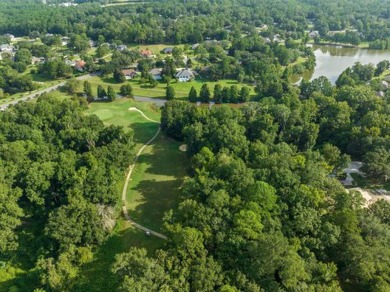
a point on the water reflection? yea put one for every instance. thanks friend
(331, 61)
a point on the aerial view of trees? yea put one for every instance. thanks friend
(59, 170)
(261, 210)
(262, 204)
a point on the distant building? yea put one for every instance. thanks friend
(277, 38)
(314, 34)
(380, 94)
(92, 43)
(70, 62)
(185, 75)
(80, 65)
(129, 73)
(167, 50)
(36, 60)
(6, 48)
(385, 84)
(146, 53)
(156, 73)
(194, 46)
(121, 48)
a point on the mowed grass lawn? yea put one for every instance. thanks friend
(156, 181)
(153, 189)
(160, 169)
(182, 89)
(117, 113)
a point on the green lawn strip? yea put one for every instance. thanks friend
(156, 181)
(181, 88)
(121, 240)
(155, 49)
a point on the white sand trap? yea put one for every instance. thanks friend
(183, 147)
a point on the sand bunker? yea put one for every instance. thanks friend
(183, 147)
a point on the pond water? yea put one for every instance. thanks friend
(158, 101)
(331, 61)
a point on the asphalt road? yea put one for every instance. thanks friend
(46, 90)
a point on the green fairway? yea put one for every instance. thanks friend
(156, 181)
(117, 113)
(160, 169)
(153, 189)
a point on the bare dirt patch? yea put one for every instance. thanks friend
(370, 196)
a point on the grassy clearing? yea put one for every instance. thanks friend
(155, 49)
(43, 84)
(156, 182)
(181, 88)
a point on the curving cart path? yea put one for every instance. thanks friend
(128, 176)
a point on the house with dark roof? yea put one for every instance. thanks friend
(314, 34)
(167, 50)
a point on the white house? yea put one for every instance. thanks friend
(185, 75)
(385, 84)
(314, 34)
(6, 48)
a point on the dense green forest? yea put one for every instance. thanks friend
(59, 178)
(193, 21)
(262, 211)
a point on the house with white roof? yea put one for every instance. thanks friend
(185, 75)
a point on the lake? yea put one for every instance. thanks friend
(331, 61)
